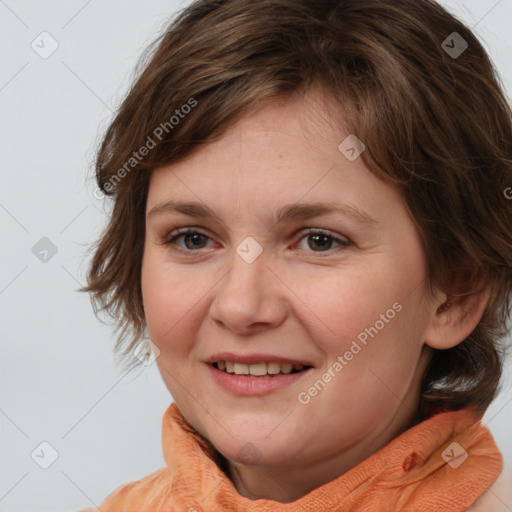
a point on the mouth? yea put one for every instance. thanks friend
(263, 369)
(256, 378)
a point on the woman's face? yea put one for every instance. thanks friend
(347, 300)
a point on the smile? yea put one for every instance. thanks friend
(263, 369)
(255, 379)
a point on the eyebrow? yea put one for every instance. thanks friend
(292, 212)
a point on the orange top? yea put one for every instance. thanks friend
(442, 464)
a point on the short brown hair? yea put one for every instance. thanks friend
(436, 126)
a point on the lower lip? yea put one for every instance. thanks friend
(253, 386)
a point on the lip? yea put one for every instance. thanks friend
(253, 386)
(254, 358)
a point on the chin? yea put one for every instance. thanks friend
(257, 452)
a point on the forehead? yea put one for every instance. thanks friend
(287, 152)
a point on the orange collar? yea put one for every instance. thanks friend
(416, 471)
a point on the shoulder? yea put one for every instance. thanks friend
(498, 498)
(133, 493)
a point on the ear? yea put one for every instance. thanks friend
(455, 317)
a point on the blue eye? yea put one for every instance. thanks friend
(195, 239)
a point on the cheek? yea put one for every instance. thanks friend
(169, 299)
(378, 371)
(343, 304)
(369, 320)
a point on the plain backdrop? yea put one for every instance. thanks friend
(59, 382)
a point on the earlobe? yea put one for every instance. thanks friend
(455, 319)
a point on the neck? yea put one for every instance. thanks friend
(287, 483)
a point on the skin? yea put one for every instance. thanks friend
(300, 298)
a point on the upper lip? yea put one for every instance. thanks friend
(254, 358)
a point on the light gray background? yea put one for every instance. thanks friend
(59, 381)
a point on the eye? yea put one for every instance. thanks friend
(195, 239)
(323, 239)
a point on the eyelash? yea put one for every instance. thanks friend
(172, 237)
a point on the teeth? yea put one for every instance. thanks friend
(286, 367)
(273, 368)
(241, 369)
(258, 369)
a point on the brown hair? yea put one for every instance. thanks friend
(436, 126)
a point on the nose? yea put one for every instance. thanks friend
(251, 297)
